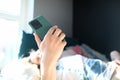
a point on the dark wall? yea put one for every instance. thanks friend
(97, 23)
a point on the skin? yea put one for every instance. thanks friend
(50, 50)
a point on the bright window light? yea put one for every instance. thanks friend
(14, 15)
(8, 29)
(10, 32)
(10, 6)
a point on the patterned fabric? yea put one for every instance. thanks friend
(75, 67)
(81, 68)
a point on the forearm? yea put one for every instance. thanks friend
(50, 48)
(48, 72)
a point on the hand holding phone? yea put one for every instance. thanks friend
(40, 25)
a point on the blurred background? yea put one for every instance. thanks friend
(96, 23)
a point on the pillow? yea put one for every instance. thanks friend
(28, 43)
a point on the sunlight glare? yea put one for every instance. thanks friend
(10, 6)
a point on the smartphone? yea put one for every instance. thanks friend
(40, 25)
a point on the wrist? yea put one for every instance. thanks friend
(46, 72)
(48, 66)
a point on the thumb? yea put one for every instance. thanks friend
(37, 39)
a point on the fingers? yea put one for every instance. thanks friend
(64, 43)
(61, 36)
(52, 30)
(56, 33)
(37, 39)
(53, 33)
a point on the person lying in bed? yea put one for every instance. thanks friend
(46, 64)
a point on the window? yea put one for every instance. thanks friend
(13, 19)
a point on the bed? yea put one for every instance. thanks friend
(73, 45)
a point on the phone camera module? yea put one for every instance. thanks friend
(36, 24)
